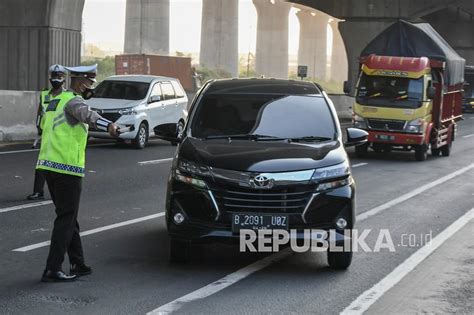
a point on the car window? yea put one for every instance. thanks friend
(123, 90)
(168, 91)
(156, 90)
(280, 116)
(178, 89)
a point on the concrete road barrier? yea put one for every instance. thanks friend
(17, 115)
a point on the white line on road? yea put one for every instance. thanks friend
(369, 297)
(28, 205)
(468, 136)
(155, 161)
(359, 164)
(223, 283)
(94, 231)
(19, 151)
(242, 273)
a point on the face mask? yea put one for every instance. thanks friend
(55, 83)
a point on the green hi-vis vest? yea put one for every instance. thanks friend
(45, 98)
(63, 146)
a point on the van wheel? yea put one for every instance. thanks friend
(421, 152)
(361, 150)
(339, 260)
(179, 251)
(180, 130)
(141, 138)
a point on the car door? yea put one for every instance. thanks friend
(169, 103)
(155, 109)
(181, 101)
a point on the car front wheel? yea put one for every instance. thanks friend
(141, 138)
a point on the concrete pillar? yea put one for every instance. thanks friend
(34, 35)
(220, 36)
(147, 27)
(312, 51)
(356, 35)
(338, 63)
(271, 58)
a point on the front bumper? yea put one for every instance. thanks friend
(208, 220)
(395, 138)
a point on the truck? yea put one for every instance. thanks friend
(408, 95)
(167, 66)
(468, 99)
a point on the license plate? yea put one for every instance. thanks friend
(256, 221)
(385, 137)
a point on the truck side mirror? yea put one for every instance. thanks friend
(347, 87)
(431, 92)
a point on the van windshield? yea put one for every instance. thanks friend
(277, 116)
(122, 90)
(390, 91)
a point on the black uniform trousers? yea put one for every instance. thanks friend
(65, 191)
(38, 186)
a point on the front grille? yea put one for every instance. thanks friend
(282, 200)
(386, 124)
(111, 116)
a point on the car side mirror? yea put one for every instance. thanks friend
(168, 132)
(347, 87)
(154, 98)
(431, 92)
(355, 137)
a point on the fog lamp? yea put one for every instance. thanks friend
(341, 223)
(178, 218)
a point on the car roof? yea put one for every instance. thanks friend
(139, 78)
(263, 86)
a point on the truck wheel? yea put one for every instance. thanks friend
(361, 150)
(435, 152)
(421, 152)
(179, 251)
(446, 149)
(141, 138)
(339, 260)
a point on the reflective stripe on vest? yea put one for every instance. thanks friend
(63, 145)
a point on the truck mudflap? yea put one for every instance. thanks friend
(396, 139)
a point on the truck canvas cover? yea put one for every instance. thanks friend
(404, 39)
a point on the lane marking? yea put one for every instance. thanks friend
(94, 231)
(359, 164)
(370, 296)
(35, 150)
(155, 161)
(468, 136)
(413, 193)
(28, 205)
(215, 287)
(222, 283)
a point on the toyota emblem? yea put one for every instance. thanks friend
(261, 181)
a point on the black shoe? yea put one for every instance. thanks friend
(80, 269)
(35, 196)
(57, 276)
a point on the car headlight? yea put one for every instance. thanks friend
(415, 126)
(332, 176)
(189, 173)
(127, 111)
(359, 122)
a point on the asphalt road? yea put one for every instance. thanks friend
(127, 244)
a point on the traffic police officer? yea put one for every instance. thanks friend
(62, 158)
(57, 74)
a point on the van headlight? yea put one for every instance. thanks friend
(127, 111)
(359, 122)
(189, 173)
(332, 177)
(415, 126)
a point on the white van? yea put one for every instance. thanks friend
(141, 102)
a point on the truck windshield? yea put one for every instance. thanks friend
(122, 90)
(390, 91)
(263, 117)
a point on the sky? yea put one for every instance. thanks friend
(104, 24)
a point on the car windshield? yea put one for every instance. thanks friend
(263, 117)
(390, 91)
(122, 90)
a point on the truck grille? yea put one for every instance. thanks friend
(284, 200)
(386, 124)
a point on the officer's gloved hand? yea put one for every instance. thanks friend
(113, 130)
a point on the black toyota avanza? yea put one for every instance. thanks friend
(263, 148)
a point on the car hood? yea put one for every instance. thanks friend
(262, 156)
(111, 103)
